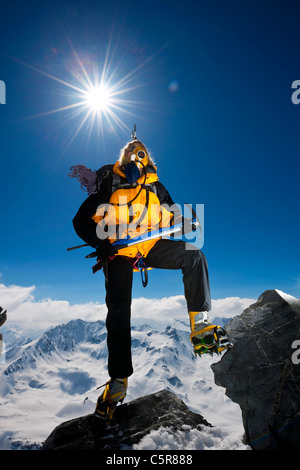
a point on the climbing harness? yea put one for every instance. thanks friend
(137, 263)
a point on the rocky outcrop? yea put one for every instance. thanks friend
(261, 372)
(3, 316)
(132, 421)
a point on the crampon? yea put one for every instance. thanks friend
(210, 340)
(114, 393)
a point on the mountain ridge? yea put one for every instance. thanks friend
(55, 377)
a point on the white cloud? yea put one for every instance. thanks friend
(230, 306)
(12, 296)
(26, 313)
(175, 308)
(159, 309)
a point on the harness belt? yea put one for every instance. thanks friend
(137, 263)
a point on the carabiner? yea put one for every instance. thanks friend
(141, 266)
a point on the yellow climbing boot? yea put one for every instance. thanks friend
(114, 393)
(205, 337)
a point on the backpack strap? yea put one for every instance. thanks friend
(117, 182)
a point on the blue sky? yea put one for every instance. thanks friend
(212, 87)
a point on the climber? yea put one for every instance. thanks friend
(133, 179)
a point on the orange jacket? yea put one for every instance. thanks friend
(133, 211)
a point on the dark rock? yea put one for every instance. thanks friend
(3, 316)
(260, 374)
(132, 421)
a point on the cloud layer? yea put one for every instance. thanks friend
(24, 312)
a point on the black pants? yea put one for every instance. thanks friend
(166, 254)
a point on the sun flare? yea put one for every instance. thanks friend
(98, 98)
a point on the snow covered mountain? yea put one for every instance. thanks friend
(54, 378)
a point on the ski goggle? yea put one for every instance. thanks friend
(139, 155)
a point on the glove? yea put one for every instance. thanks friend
(188, 225)
(105, 250)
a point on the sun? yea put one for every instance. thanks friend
(98, 98)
